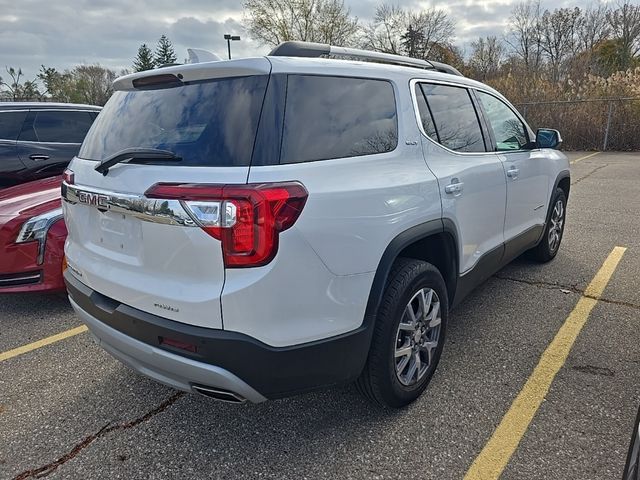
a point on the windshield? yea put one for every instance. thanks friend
(210, 123)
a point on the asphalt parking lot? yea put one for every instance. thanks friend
(68, 410)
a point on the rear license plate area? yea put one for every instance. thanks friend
(118, 232)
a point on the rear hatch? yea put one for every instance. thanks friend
(149, 252)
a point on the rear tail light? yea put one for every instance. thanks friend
(68, 176)
(247, 219)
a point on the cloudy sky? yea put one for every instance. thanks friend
(64, 33)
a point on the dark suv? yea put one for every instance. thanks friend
(38, 140)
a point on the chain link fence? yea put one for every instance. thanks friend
(592, 124)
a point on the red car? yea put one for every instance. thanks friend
(32, 235)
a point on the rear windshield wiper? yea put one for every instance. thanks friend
(129, 154)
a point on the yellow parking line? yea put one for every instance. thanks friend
(495, 455)
(584, 158)
(42, 343)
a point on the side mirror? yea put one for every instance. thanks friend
(548, 138)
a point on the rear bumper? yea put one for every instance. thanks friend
(163, 366)
(222, 359)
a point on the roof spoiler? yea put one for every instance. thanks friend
(315, 50)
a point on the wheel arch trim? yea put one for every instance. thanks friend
(393, 250)
(564, 174)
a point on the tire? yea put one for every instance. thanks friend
(409, 285)
(546, 250)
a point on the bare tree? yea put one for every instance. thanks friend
(400, 31)
(592, 27)
(486, 58)
(335, 24)
(274, 21)
(385, 32)
(16, 89)
(436, 26)
(625, 26)
(558, 37)
(524, 33)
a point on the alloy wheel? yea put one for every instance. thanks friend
(417, 336)
(557, 222)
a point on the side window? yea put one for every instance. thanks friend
(455, 120)
(509, 131)
(10, 124)
(61, 126)
(334, 117)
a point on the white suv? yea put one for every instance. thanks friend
(254, 228)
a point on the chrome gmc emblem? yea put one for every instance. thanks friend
(94, 199)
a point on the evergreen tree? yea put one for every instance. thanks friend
(413, 41)
(164, 52)
(144, 60)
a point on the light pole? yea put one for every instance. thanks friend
(228, 38)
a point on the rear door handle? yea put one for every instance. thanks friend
(38, 156)
(455, 187)
(513, 172)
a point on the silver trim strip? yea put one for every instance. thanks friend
(24, 278)
(167, 212)
(40, 142)
(218, 394)
(58, 110)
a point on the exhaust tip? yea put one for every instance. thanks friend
(219, 394)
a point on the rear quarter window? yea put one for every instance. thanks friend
(334, 117)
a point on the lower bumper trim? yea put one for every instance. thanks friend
(274, 372)
(165, 367)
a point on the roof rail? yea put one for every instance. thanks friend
(314, 50)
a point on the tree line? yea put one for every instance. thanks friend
(90, 84)
(560, 48)
(543, 54)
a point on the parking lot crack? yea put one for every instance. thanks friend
(542, 284)
(568, 288)
(578, 180)
(45, 470)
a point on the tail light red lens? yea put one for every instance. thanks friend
(68, 176)
(247, 219)
(189, 347)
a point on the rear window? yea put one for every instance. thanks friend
(210, 123)
(333, 117)
(10, 124)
